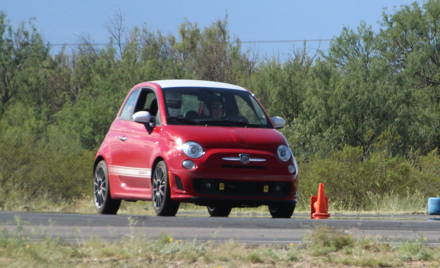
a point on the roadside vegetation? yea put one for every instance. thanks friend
(363, 117)
(321, 248)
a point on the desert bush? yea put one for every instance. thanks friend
(355, 182)
(40, 161)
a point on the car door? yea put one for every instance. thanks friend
(133, 146)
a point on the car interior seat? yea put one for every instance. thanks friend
(191, 115)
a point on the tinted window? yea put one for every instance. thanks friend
(211, 106)
(147, 101)
(129, 106)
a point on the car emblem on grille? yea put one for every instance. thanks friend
(244, 158)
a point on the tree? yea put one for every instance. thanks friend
(211, 54)
(410, 42)
(20, 50)
(353, 96)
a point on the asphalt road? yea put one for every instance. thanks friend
(78, 227)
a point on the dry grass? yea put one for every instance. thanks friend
(324, 247)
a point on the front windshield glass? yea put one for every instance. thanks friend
(213, 107)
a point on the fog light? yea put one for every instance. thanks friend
(292, 169)
(188, 164)
(277, 188)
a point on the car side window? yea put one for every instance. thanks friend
(147, 101)
(129, 106)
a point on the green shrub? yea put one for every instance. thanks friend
(415, 251)
(41, 164)
(354, 182)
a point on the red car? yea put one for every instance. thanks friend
(203, 142)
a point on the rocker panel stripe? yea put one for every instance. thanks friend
(130, 171)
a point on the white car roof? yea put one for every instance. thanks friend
(195, 83)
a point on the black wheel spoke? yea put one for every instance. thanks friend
(159, 187)
(100, 187)
(100, 175)
(98, 199)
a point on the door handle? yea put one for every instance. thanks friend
(122, 138)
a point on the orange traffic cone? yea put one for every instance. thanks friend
(319, 205)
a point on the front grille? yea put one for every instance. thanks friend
(244, 166)
(243, 188)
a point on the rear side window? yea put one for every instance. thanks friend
(129, 106)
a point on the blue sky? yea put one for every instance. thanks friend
(62, 21)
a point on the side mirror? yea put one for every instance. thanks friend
(278, 122)
(142, 117)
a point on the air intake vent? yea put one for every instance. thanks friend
(245, 188)
(244, 166)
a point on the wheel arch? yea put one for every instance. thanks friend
(111, 183)
(158, 159)
(97, 160)
(153, 166)
(167, 206)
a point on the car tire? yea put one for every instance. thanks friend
(282, 210)
(104, 203)
(162, 203)
(219, 211)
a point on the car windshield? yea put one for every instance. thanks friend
(213, 107)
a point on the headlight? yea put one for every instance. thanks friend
(284, 153)
(192, 149)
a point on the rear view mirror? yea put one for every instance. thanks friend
(278, 122)
(142, 117)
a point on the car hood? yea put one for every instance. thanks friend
(228, 137)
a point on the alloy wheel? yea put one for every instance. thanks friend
(159, 187)
(100, 187)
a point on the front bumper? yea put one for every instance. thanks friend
(215, 179)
